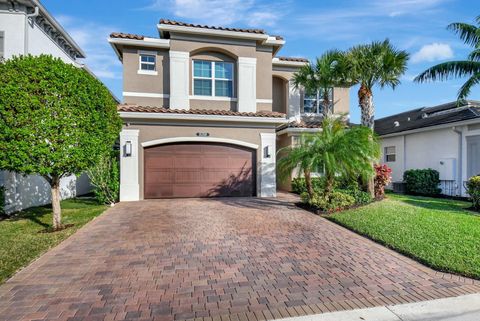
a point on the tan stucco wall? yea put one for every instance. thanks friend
(284, 141)
(341, 99)
(134, 82)
(154, 131)
(264, 75)
(239, 49)
(279, 90)
(146, 101)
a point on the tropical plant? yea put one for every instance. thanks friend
(105, 177)
(333, 202)
(328, 71)
(470, 34)
(376, 64)
(382, 178)
(336, 149)
(299, 186)
(55, 120)
(473, 189)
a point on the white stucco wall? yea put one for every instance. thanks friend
(398, 167)
(13, 26)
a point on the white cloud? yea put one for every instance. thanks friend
(92, 38)
(433, 52)
(225, 12)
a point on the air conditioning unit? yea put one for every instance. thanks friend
(399, 187)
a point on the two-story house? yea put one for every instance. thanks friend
(27, 28)
(205, 109)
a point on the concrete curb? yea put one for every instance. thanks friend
(462, 308)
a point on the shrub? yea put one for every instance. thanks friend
(382, 179)
(336, 201)
(105, 177)
(299, 186)
(422, 181)
(361, 197)
(2, 200)
(473, 189)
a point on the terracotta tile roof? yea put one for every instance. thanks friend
(278, 37)
(126, 36)
(316, 123)
(184, 24)
(295, 59)
(152, 109)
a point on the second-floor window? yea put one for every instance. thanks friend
(212, 78)
(147, 62)
(313, 102)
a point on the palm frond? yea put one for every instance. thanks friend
(467, 86)
(470, 34)
(474, 55)
(448, 70)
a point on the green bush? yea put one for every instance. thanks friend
(361, 197)
(299, 186)
(422, 181)
(336, 201)
(2, 200)
(473, 189)
(105, 177)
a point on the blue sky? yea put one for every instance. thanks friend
(309, 27)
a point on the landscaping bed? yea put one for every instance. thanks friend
(25, 236)
(440, 233)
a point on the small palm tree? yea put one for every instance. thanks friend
(470, 34)
(326, 73)
(377, 63)
(336, 149)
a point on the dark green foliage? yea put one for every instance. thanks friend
(361, 197)
(332, 202)
(105, 177)
(422, 181)
(299, 186)
(55, 119)
(473, 189)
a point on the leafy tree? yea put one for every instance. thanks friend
(375, 64)
(337, 150)
(327, 72)
(105, 177)
(55, 120)
(470, 34)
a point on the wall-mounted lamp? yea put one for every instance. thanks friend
(128, 148)
(266, 152)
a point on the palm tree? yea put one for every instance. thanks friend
(377, 63)
(326, 73)
(470, 34)
(336, 149)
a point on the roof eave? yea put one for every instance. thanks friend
(282, 63)
(147, 42)
(162, 28)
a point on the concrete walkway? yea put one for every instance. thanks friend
(462, 308)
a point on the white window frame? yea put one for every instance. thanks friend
(390, 154)
(318, 100)
(147, 72)
(213, 78)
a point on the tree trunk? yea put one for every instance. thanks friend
(57, 211)
(365, 98)
(326, 105)
(308, 182)
(329, 185)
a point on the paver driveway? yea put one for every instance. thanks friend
(215, 259)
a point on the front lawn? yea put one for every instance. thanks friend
(23, 238)
(437, 232)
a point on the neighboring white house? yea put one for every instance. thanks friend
(26, 27)
(445, 138)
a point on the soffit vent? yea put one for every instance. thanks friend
(396, 124)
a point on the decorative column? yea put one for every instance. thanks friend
(247, 84)
(179, 80)
(293, 101)
(268, 181)
(129, 186)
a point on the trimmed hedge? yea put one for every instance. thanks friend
(473, 189)
(422, 181)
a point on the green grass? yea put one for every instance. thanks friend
(437, 232)
(23, 237)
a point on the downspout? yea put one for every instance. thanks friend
(35, 13)
(460, 160)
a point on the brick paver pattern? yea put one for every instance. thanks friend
(216, 259)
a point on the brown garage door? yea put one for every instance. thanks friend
(199, 170)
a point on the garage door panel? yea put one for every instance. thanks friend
(198, 170)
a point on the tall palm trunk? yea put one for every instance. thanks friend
(365, 99)
(57, 211)
(308, 182)
(326, 111)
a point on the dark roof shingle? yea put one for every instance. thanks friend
(427, 117)
(185, 24)
(152, 109)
